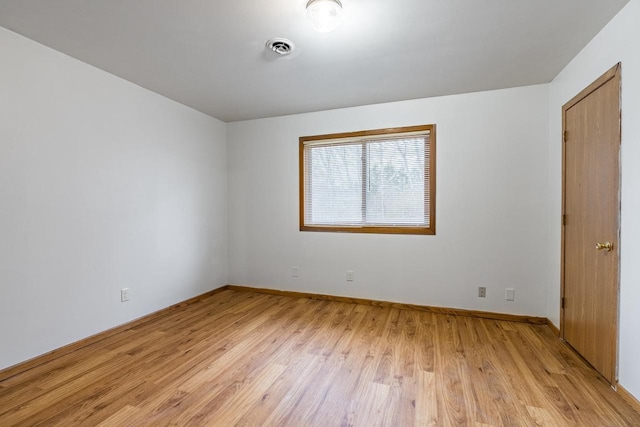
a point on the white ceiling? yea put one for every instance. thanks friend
(211, 55)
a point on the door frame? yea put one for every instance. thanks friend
(613, 73)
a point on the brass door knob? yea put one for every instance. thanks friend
(606, 245)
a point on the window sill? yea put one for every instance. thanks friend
(370, 230)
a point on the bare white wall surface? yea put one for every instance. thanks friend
(619, 41)
(492, 206)
(103, 185)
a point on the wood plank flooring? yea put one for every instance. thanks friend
(251, 359)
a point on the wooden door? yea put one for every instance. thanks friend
(591, 205)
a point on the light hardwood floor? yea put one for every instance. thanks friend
(251, 359)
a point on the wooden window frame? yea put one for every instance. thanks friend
(430, 190)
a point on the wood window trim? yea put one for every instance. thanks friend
(430, 197)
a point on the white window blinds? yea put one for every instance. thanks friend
(371, 181)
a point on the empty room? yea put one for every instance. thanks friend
(319, 213)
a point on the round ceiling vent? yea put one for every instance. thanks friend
(281, 46)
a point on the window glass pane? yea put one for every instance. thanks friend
(335, 185)
(375, 181)
(396, 182)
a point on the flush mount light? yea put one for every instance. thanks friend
(324, 15)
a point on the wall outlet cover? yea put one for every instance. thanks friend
(510, 294)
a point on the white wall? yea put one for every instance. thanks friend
(103, 185)
(619, 41)
(491, 209)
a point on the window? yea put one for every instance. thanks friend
(378, 181)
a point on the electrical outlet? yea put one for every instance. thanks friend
(294, 272)
(349, 276)
(124, 294)
(482, 292)
(510, 294)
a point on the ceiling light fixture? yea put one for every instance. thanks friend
(325, 15)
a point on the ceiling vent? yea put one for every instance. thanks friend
(281, 46)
